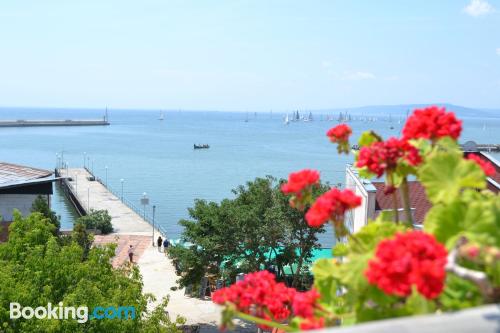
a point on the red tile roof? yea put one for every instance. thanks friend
(496, 176)
(418, 199)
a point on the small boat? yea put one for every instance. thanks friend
(162, 116)
(204, 146)
(246, 119)
(287, 120)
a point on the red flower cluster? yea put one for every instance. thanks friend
(260, 295)
(412, 258)
(300, 181)
(303, 303)
(488, 168)
(340, 134)
(312, 324)
(432, 123)
(331, 206)
(382, 156)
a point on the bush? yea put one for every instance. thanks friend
(97, 219)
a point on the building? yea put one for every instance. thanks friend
(375, 201)
(19, 187)
(471, 147)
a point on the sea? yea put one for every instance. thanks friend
(156, 156)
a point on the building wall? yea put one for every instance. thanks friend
(358, 217)
(21, 202)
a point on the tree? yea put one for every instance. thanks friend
(97, 219)
(256, 229)
(35, 269)
(41, 205)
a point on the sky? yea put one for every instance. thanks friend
(240, 55)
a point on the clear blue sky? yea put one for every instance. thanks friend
(248, 55)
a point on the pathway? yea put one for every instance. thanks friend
(158, 272)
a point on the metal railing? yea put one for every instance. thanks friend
(139, 211)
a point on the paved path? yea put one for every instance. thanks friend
(158, 272)
(94, 195)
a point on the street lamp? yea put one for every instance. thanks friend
(57, 160)
(93, 160)
(144, 202)
(106, 168)
(122, 181)
(154, 209)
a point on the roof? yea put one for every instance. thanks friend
(492, 185)
(18, 174)
(418, 199)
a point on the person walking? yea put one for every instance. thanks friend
(131, 254)
(166, 244)
(159, 242)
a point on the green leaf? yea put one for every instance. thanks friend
(340, 250)
(326, 275)
(473, 214)
(417, 304)
(444, 175)
(367, 138)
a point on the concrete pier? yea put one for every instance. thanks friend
(130, 228)
(92, 194)
(46, 123)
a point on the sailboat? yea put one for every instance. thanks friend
(287, 120)
(162, 116)
(246, 119)
(309, 117)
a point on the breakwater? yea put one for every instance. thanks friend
(47, 123)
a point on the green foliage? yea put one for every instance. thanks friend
(239, 235)
(41, 205)
(36, 269)
(97, 219)
(367, 138)
(445, 174)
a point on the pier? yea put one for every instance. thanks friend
(133, 227)
(471, 146)
(47, 123)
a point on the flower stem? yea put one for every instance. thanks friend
(405, 194)
(394, 198)
(261, 321)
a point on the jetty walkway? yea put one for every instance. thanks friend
(45, 123)
(130, 228)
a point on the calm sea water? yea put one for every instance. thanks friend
(157, 157)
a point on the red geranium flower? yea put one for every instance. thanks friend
(340, 135)
(304, 303)
(432, 123)
(260, 295)
(299, 181)
(488, 168)
(332, 206)
(412, 258)
(383, 156)
(312, 324)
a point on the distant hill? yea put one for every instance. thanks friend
(400, 110)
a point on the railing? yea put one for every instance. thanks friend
(484, 319)
(145, 215)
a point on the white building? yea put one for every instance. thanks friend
(20, 186)
(375, 200)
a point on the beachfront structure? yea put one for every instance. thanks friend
(471, 147)
(20, 186)
(375, 201)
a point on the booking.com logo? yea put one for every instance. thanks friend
(81, 313)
